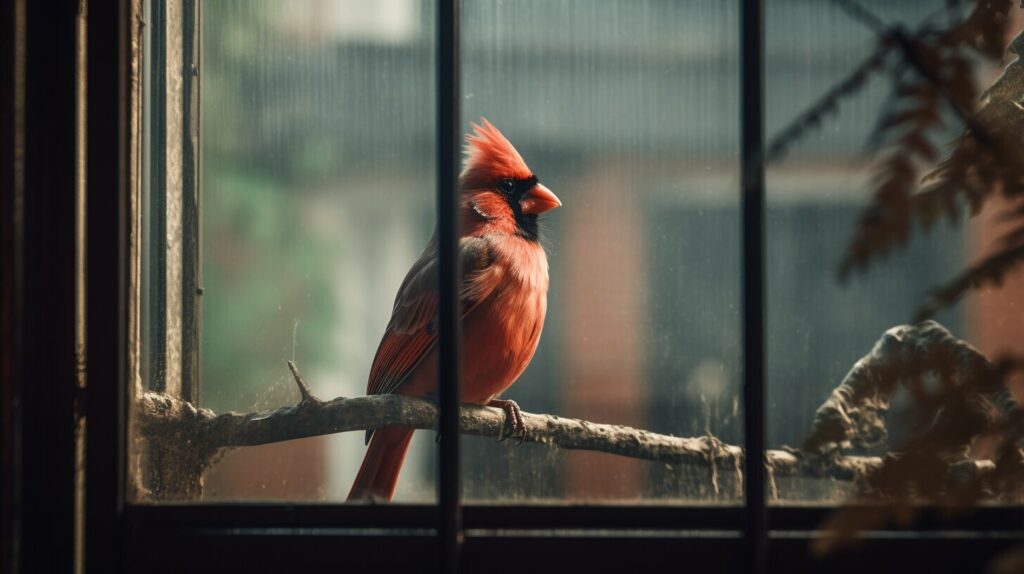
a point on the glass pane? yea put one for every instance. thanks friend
(318, 176)
(628, 112)
(316, 145)
(315, 150)
(287, 187)
(818, 327)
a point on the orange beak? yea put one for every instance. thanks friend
(538, 200)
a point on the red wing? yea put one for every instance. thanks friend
(412, 332)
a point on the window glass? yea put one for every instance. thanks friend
(314, 154)
(818, 326)
(287, 186)
(627, 111)
(317, 180)
(318, 193)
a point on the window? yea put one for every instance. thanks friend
(310, 113)
(221, 265)
(314, 135)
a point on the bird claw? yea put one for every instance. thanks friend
(513, 419)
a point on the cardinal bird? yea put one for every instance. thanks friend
(503, 298)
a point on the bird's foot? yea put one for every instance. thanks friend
(513, 418)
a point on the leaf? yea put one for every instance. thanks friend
(916, 142)
(985, 159)
(828, 103)
(989, 271)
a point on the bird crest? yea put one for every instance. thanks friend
(489, 155)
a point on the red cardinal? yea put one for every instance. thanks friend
(503, 297)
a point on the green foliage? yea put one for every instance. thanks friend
(261, 273)
(264, 269)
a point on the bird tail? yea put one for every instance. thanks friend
(378, 475)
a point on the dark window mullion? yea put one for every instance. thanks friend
(752, 177)
(448, 121)
(190, 296)
(107, 226)
(157, 212)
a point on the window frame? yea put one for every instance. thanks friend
(120, 536)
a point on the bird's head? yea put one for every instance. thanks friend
(498, 188)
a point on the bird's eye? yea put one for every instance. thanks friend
(507, 186)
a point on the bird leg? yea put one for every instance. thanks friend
(514, 418)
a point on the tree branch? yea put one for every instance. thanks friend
(161, 415)
(304, 392)
(853, 413)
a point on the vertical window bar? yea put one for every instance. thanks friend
(190, 294)
(106, 314)
(752, 175)
(44, 362)
(448, 120)
(157, 224)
